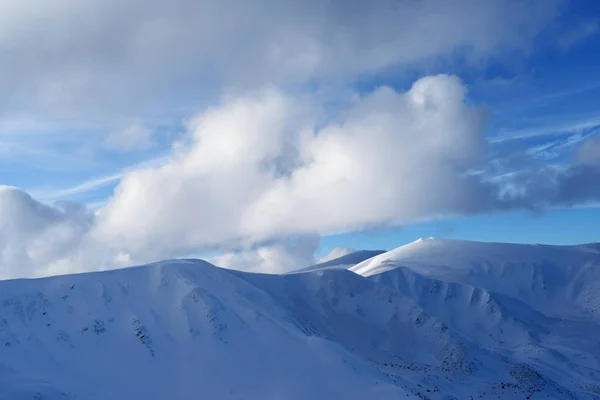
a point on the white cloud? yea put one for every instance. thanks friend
(84, 187)
(278, 257)
(264, 165)
(68, 56)
(336, 252)
(33, 236)
(258, 169)
(92, 184)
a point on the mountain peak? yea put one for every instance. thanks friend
(550, 278)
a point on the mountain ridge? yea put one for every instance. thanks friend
(186, 328)
(344, 261)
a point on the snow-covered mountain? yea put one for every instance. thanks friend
(345, 261)
(559, 281)
(435, 319)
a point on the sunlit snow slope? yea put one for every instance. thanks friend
(346, 261)
(433, 319)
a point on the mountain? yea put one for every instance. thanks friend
(345, 261)
(183, 330)
(559, 281)
(435, 319)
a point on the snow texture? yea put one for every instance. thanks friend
(435, 319)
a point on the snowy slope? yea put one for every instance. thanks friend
(345, 261)
(409, 329)
(182, 330)
(562, 281)
(533, 304)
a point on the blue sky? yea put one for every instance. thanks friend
(557, 227)
(72, 131)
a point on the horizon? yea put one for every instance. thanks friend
(331, 255)
(154, 131)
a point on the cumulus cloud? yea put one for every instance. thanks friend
(265, 164)
(33, 236)
(260, 169)
(67, 56)
(264, 167)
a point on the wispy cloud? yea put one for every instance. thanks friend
(85, 187)
(557, 148)
(93, 184)
(578, 34)
(511, 106)
(565, 128)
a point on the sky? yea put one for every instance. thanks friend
(266, 135)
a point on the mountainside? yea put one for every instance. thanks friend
(560, 281)
(434, 319)
(345, 261)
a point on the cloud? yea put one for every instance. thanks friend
(550, 129)
(107, 56)
(578, 34)
(580, 184)
(589, 153)
(84, 187)
(542, 186)
(279, 257)
(92, 184)
(336, 252)
(261, 176)
(135, 136)
(33, 236)
(267, 163)
(264, 167)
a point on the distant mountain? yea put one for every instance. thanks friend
(560, 281)
(345, 261)
(435, 319)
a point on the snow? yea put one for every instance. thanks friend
(345, 261)
(561, 281)
(435, 319)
